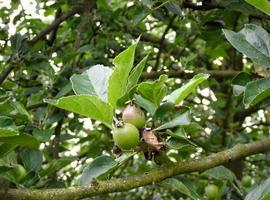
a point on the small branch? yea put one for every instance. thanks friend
(154, 176)
(54, 25)
(218, 74)
(240, 116)
(203, 7)
(85, 17)
(4, 74)
(53, 33)
(56, 139)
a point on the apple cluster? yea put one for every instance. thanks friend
(126, 133)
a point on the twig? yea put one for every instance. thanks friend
(54, 25)
(154, 176)
(53, 33)
(4, 74)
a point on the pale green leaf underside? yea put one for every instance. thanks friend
(261, 192)
(253, 41)
(92, 81)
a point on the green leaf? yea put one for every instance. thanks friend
(180, 94)
(153, 91)
(175, 184)
(32, 159)
(132, 82)
(136, 73)
(263, 5)
(7, 127)
(261, 192)
(220, 173)
(119, 79)
(182, 187)
(4, 169)
(239, 83)
(86, 105)
(256, 91)
(145, 104)
(92, 81)
(253, 41)
(22, 139)
(5, 149)
(81, 84)
(174, 8)
(193, 128)
(180, 119)
(55, 165)
(100, 168)
(179, 143)
(165, 111)
(43, 135)
(179, 133)
(20, 109)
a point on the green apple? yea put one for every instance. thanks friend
(212, 191)
(246, 181)
(18, 172)
(126, 136)
(134, 115)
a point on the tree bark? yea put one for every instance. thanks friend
(155, 175)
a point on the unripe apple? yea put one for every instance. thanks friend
(126, 136)
(18, 172)
(211, 191)
(134, 115)
(246, 181)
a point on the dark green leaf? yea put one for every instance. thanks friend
(221, 173)
(22, 139)
(179, 143)
(99, 168)
(20, 109)
(174, 8)
(181, 186)
(32, 159)
(7, 127)
(43, 135)
(5, 149)
(180, 119)
(253, 41)
(239, 83)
